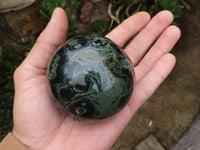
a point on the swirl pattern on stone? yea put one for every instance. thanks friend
(90, 77)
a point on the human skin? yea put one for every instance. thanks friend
(40, 125)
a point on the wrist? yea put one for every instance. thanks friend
(10, 142)
(17, 136)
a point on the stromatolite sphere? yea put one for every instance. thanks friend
(90, 77)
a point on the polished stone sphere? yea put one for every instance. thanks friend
(89, 76)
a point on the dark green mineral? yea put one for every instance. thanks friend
(90, 77)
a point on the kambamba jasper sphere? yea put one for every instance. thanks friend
(89, 76)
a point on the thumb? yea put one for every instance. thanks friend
(53, 35)
(34, 113)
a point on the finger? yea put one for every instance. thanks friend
(140, 44)
(147, 86)
(128, 28)
(49, 40)
(162, 46)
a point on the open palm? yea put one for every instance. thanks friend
(40, 125)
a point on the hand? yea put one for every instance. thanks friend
(41, 126)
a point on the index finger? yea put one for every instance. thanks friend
(128, 28)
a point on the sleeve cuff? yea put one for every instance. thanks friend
(11, 143)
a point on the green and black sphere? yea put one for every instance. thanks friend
(89, 76)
